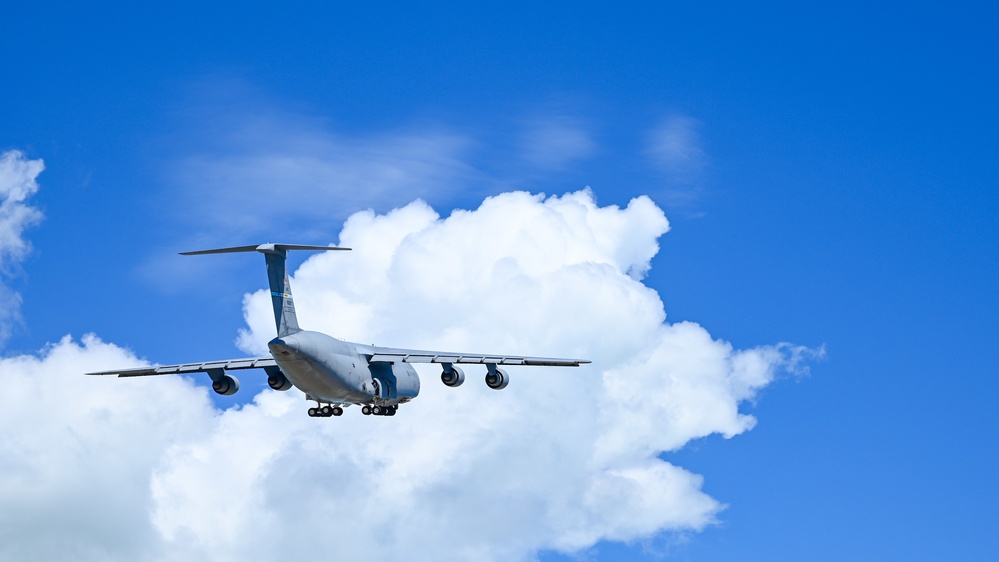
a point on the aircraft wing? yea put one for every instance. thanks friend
(394, 355)
(188, 368)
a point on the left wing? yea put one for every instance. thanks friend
(188, 368)
(395, 355)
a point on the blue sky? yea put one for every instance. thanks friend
(829, 174)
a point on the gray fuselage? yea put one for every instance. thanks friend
(331, 370)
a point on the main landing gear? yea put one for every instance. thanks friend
(325, 411)
(329, 410)
(377, 410)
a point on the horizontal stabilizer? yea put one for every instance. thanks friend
(275, 255)
(262, 248)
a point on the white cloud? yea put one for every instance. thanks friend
(97, 468)
(17, 184)
(263, 174)
(274, 173)
(562, 458)
(77, 452)
(552, 143)
(675, 147)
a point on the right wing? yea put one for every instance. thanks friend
(395, 355)
(188, 368)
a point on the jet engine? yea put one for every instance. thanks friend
(226, 386)
(453, 376)
(278, 381)
(497, 379)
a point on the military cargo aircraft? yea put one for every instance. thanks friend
(336, 374)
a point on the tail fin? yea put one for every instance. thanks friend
(277, 277)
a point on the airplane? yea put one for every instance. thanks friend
(336, 374)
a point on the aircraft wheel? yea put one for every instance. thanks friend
(313, 412)
(366, 410)
(377, 410)
(393, 410)
(337, 411)
(327, 411)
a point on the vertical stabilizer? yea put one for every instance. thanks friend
(277, 277)
(284, 306)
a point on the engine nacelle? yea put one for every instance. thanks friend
(454, 377)
(226, 386)
(497, 379)
(278, 381)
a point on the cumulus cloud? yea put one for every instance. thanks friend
(17, 185)
(76, 453)
(561, 459)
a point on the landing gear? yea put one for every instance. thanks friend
(325, 411)
(328, 410)
(378, 410)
